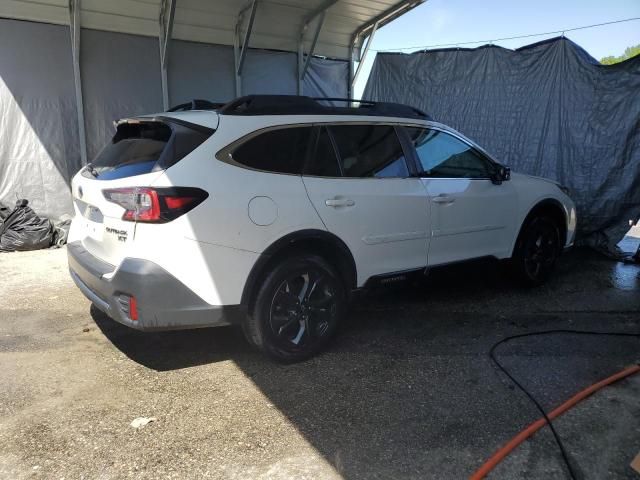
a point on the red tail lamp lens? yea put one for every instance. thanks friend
(178, 202)
(155, 205)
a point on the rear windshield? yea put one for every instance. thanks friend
(141, 147)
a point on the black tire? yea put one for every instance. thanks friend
(537, 250)
(292, 322)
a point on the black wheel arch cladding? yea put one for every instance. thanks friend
(318, 242)
(549, 208)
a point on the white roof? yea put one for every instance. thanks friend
(277, 23)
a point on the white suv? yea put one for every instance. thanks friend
(271, 211)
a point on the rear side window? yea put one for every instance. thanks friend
(369, 151)
(140, 147)
(279, 151)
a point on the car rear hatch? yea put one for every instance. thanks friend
(112, 194)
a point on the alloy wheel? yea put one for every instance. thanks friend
(303, 309)
(541, 251)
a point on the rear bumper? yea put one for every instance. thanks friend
(164, 303)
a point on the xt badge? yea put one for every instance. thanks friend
(122, 234)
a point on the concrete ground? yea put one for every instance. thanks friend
(406, 390)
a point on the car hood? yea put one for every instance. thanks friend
(533, 177)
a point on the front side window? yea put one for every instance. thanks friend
(369, 151)
(441, 155)
(279, 151)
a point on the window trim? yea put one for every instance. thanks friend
(421, 174)
(410, 154)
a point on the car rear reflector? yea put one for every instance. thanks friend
(155, 205)
(133, 309)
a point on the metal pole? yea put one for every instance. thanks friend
(236, 55)
(350, 73)
(313, 43)
(300, 60)
(166, 29)
(74, 30)
(247, 36)
(364, 54)
(302, 64)
(381, 20)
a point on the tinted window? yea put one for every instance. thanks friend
(443, 155)
(133, 150)
(142, 147)
(280, 151)
(369, 151)
(324, 163)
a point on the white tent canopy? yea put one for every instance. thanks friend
(278, 24)
(69, 68)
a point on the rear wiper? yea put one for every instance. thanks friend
(92, 170)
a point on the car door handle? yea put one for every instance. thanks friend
(339, 202)
(444, 199)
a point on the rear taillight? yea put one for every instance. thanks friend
(155, 205)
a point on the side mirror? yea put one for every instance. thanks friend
(500, 174)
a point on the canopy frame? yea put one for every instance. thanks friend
(167, 15)
(75, 31)
(240, 49)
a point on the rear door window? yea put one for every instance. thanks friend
(279, 151)
(140, 147)
(367, 151)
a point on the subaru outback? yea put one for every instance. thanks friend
(270, 212)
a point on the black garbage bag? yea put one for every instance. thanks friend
(22, 229)
(4, 213)
(61, 231)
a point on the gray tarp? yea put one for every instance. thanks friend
(120, 78)
(39, 150)
(547, 109)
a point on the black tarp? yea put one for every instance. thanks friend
(547, 109)
(23, 230)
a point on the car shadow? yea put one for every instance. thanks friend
(172, 350)
(407, 389)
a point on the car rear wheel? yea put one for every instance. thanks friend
(297, 309)
(537, 251)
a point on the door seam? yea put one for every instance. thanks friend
(306, 191)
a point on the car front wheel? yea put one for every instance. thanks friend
(537, 251)
(297, 309)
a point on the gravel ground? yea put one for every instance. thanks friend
(406, 390)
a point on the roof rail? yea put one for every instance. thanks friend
(303, 105)
(196, 104)
(341, 99)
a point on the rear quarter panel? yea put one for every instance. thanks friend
(223, 219)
